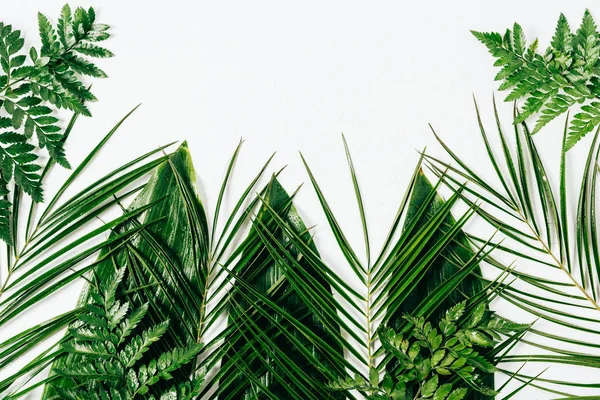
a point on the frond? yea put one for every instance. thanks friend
(33, 88)
(553, 82)
(537, 224)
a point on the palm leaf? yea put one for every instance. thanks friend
(170, 265)
(443, 267)
(269, 277)
(49, 259)
(454, 255)
(164, 256)
(403, 263)
(536, 224)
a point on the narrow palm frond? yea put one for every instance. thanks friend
(535, 219)
(272, 276)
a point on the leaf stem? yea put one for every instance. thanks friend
(558, 262)
(369, 321)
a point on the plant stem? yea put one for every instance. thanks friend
(546, 248)
(369, 322)
(418, 393)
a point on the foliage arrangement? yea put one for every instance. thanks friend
(33, 86)
(103, 356)
(49, 259)
(168, 265)
(566, 74)
(181, 303)
(430, 364)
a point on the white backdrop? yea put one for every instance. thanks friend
(289, 76)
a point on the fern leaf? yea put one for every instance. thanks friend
(18, 162)
(116, 314)
(551, 83)
(175, 359)
(455, 313)
(534, 103)
(65, 26)
(583, 123)
(90, 349)
(105, 371)
(92, 50)
(562, 41)
(554, 108)
(55, 145)
(96, 309)
(523, 76)
(53, 79)
(492, 40)
(129, 324)
(84, 67)
(586, 41)
(86, 333)
(457, 394)
(47, 35)
(509, 70)
(519, 41)
(141, 343)
(503, 326)
(109, 289)
(93, 320)
(162, 368)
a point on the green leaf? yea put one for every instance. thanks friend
(519, 42)
(101, 361)
(479, 338)
(65, 26)
(554, 81)
(562, 40)
(425, 199)
(437, 357)
(583, 123)
(55, 79)
(457, 394)
(443, 391)
(456, 312)
(568, 279)
(92, 50)
(260, 271)
(477, 315)
(172, 255)
(374, 376)
(430, 387)
(46, 34)
(441, 269)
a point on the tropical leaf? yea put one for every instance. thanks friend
(553, 82)
(537, 224)
(47, 260)
(33, 87)
(270, 279)
(103, 358)
(166, 267)
(453, 256)
(168, 257)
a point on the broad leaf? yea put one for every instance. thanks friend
(166, 262)
(280, 364)
(454, 256)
